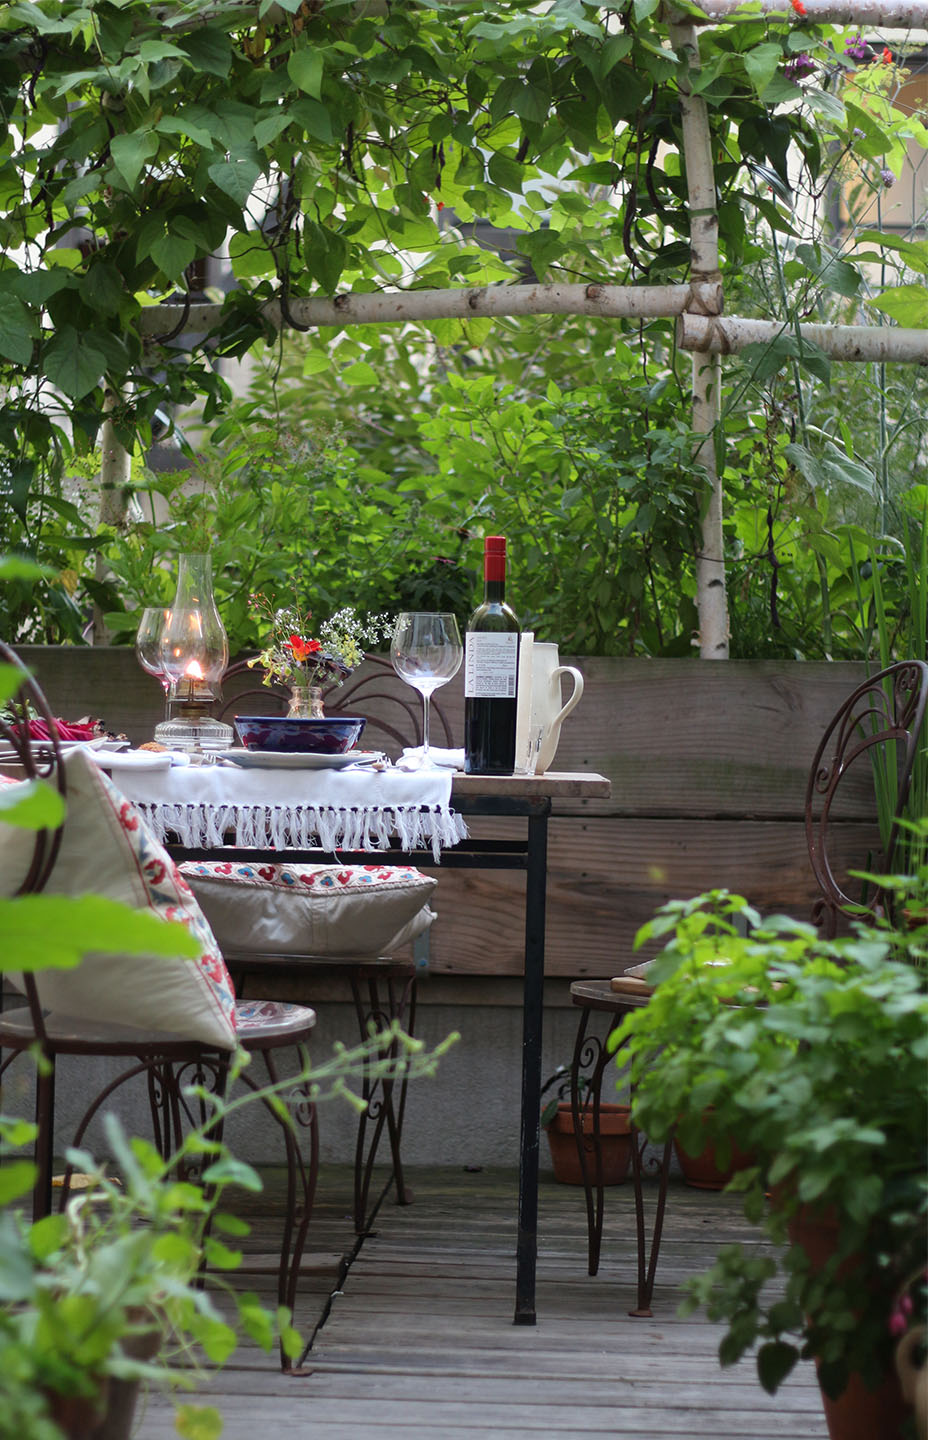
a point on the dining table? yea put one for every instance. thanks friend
(321, 815)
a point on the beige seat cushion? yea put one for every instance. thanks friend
(356, 911)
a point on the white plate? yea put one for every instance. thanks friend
(296, 760)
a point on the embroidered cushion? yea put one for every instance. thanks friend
(106, 849)
(326, 910)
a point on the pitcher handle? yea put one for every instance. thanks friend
(573, 699)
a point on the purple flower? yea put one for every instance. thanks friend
(799, 65)
(887, 177)
(857, 47)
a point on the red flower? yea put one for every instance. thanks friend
(301, 649)
(441, 205)
(798, 6)
(887, 56)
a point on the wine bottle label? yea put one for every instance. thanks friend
(490, 665)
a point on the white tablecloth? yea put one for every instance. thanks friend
(294, 809)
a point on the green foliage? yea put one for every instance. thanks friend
(335, 150)
(812, 1054)
(125, 1258)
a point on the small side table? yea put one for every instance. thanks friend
(591, 1056)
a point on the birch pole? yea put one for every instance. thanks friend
(399, 307)
(114, 479)
(727, 334)
(711, 600)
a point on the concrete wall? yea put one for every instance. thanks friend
(467, 1114)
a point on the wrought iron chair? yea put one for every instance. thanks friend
(880, 724)
(383, 990)
(167, 1062)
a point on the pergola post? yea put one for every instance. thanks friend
(711, 600)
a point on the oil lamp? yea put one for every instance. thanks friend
(194, 654)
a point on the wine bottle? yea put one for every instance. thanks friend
(491, 664)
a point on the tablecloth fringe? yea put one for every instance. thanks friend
(298, 827)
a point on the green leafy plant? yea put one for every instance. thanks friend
(125, 1259)
(336, 153)
(813, 1055)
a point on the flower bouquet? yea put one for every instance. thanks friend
(294, 656)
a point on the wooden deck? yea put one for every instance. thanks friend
(417, 1339)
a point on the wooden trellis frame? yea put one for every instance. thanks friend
(698, 307)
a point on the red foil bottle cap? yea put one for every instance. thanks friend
(494, 557)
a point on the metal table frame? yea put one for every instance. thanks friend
(509, 797)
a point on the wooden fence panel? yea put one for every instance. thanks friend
(708, 764)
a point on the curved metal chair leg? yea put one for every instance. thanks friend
(301, 1179)
(594, 1217)
(45, 1139)
(593, 1054)
(647, 1263)
(385, 1100)
(167, 1104)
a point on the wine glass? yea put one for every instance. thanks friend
(426, 651)
(148, 643)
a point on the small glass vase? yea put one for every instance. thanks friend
(305, 703)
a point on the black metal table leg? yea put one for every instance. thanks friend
(533, 1009)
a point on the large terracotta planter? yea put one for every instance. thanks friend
(615, 1144)
(703, 1171)
(858, 1413)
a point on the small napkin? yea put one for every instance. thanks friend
(137, 759)
(452, 759)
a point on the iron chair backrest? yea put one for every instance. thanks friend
(880, 724)
(38, 759)
(374, 691)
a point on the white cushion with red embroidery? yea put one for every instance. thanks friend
(106, 849)
(325, 910)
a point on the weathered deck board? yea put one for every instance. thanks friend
(420, 1340)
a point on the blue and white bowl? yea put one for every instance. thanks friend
(328, 735)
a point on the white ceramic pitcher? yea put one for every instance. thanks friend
(548, 713)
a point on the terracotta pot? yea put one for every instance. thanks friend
(858, 1413)
(912, 1370)
(109, 1414)
(703, 1173)
(615, 1144)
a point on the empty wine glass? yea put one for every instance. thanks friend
(426, 652)
(148, 643)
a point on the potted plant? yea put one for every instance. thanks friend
(104, 1294)
(814, 1054)
(615, 1139)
